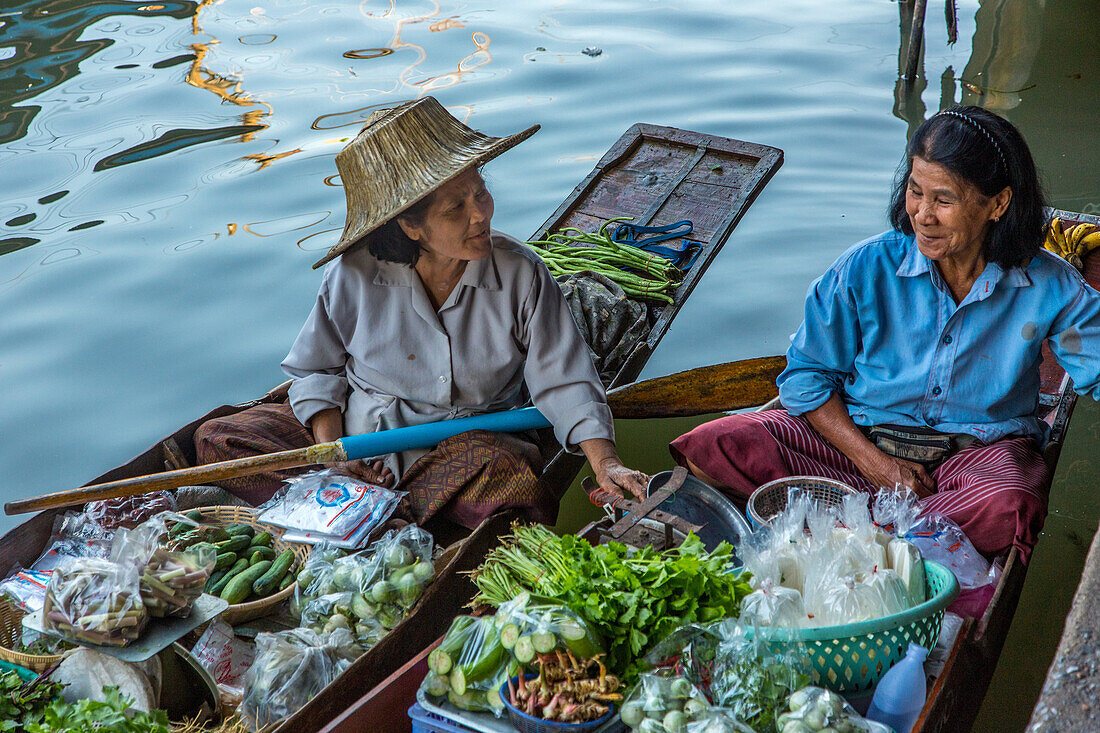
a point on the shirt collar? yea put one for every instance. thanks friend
(915, 264)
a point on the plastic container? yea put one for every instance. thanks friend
(525, 723)
(900, 695)
(425, 722)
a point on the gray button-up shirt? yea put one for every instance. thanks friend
(376, 348)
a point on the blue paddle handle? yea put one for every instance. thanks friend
(371, 445)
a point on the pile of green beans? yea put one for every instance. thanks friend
(641, 275)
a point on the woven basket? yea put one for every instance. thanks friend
(11, 629)
(225, 515)
(852, 658)
(771, 498)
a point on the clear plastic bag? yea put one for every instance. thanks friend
(129, 511)
(315, 579)
(95, 600)
(814, 708)
(290, 668)
(26, 588)
(403, 562)
(74, 535)
(773, 605)
(528, 629)
(329, 506)
(753, 676)
(717, 720)
(227, 659)
(941, 540)
(658, 704)
(171, 580)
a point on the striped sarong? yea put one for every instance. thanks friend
(456, 485)
(996, 493)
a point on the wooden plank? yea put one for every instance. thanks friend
(389, 701)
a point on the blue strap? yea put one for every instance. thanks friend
(683, 255)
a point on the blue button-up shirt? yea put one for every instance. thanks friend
(883, 331)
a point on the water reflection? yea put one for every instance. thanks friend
(47, 50)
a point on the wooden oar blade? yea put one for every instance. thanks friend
(717, 388)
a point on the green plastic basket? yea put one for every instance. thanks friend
(851, 658)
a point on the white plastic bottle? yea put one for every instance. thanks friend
(900, 694)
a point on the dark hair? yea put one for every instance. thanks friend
(389, 241)
(988, 152)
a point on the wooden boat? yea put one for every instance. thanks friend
(658, 175)
(954, 700)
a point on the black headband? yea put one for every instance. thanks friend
(980, 128)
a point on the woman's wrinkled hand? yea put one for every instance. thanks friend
(373, 472)
(889, 471)
(616, 478)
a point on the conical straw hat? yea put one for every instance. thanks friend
(400, 156)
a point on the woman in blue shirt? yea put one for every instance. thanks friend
(918, 359)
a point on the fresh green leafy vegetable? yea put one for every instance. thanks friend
(89, 716)
(23, 702)
(632, 598)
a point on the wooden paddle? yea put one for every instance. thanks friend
(730, 386)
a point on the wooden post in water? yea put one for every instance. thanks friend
(916, 39)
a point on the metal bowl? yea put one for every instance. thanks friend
(186, 687)
(703, 505)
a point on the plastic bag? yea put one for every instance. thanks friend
(528, 629)
(290, 668)
(752, 677)
(26, 588)
(227, 659)
(129, 511)
(941, 540)
(658, 704)
(95, 600)
(328, 506)
(815, 708)
(395, 568)
(315, 579)
(717, 720)
(74, 536)
(171, 580)
(773, 605)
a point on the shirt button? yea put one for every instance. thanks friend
(947, 339)
(936, 391)
(442, 379)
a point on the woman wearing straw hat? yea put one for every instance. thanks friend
(425, 314)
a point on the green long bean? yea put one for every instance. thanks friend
(641, 275)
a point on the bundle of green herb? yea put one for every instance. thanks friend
(90, 716)
(22, 702)
(632, 598)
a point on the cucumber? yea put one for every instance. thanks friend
(524, 650)
(237, 589)
(261, 553)
(213, 579)
(235, 543)
(472, 701)
(287, 580)
(436, 685)
(195, 516)
(245, 529)
(263, 539)
(238, 567)
(487, 658)
(269, 581)
(583, 643)
(225, 560)
(544, 641)
(442, 658)
(508, 635)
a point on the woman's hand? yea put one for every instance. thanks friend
(610, 472)
(371, 471)
(889, 471)
(327, 426)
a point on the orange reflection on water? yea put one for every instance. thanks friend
(446, 24)
(266, 160)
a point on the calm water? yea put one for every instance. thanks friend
(167, 183)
